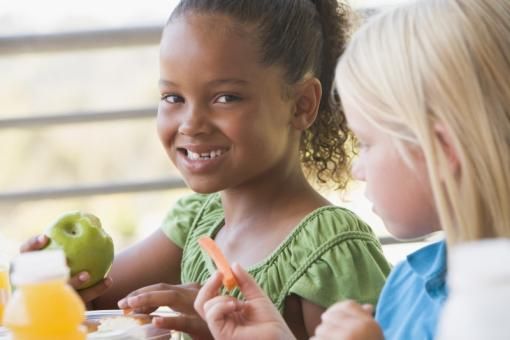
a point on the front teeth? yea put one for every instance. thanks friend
(204, 156)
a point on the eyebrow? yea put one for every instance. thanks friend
(163, 82)
(232, 81)
(216, 82)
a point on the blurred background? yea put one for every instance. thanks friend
(78, 97)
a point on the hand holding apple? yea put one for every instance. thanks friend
(87, 246)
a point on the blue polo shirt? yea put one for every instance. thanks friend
(414, 293)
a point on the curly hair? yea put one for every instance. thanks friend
(324, 145)
(301, 36)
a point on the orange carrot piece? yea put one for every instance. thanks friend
(127, 311)
(214, 252)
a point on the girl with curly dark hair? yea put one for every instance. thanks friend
(248, 115)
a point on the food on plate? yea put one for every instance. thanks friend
(123, 322)
(91, 325)
(214, 252)
(127, 311)
(86, 244)
(114, 325)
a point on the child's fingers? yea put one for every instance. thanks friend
(339, 312)
(247, 284)
(96, 290)
(209, 290)
(34, 243)
(218, 308)
(192, 325)
(177, 300)
(347, 320)
(368, 308)
(154, 287)
(350, 307)
(178, 297)
(332, 317)
(78, 280)
(162, 286)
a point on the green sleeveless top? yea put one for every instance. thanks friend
(331, 255)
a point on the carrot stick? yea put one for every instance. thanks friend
(214, 252)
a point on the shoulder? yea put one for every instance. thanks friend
(401, 277)
(416, 269)
(326, 230)
(333, 224)
(413, 295)
(410, 279)
(399, 286)
(330, 256)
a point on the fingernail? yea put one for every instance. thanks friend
(122, 303)
(41, 238)
(108, 282)
(84, 276)
(132, 300)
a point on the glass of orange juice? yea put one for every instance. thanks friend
(5, 287)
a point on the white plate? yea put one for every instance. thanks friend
(106, 313)
(142, 332)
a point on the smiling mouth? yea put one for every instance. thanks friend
(202, 156)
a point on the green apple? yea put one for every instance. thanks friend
(86, 245)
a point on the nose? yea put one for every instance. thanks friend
(195, 121)
(357, 170)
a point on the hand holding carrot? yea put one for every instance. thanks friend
(215, 253)
(229, 318)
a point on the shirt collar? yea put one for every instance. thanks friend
(430, 264)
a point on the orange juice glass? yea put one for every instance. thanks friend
(43, 306)
(5, 289)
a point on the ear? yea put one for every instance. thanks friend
(307, 99)
(446, 143)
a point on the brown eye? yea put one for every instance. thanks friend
(172, 98)
(227, 98)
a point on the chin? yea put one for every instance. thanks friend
(203, 191)
(406, 235)
(203, 188)
(403, 232)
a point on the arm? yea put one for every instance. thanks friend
(149, 273)
(153, 260)
(302, 316)
(312, 314)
